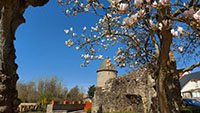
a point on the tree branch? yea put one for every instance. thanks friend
(36, 3)
(190, 68)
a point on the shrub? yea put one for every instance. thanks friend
(190, 109)
(89, 110)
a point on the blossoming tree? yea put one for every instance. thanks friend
(143, 30)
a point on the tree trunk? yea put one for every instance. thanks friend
(169, 95)
(166, 76)
(162, 94)
(11, 16)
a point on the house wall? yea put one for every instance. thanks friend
(191, 85)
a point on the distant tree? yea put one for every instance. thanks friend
(64, 93)
(42, 91)
(91, 91)
(46, 90)
(22, 91)
(40, 85)
(32, 93)
(75, 95)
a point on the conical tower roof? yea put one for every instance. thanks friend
(107, 66)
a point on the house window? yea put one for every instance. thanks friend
(196, 94)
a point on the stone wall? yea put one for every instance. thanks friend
(134, 91)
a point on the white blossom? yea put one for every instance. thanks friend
(100, 57)
(197, 15)
(86, 56)
(96, 57)
(180, 29)
(88, 62)
(67, 11)
(109, 15)
(74, 35)
(82, 5)
(77, 48)
(66, 31)
(180, 49)
(92, 57)
(86, 9)
(155, 4)
(82, 55)
(71, 43)
(71, 29)
(85, 28)
(160, 26)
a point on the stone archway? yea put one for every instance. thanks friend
(11, 16)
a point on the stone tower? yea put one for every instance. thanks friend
(105, 72)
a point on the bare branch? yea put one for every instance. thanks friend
(36, 3)
(190, 68)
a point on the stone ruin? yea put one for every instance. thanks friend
(135, 92)
(132, 92)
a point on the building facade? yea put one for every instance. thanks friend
(190, 85)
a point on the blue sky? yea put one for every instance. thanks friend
(41, 50)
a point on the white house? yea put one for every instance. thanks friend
(190, 85)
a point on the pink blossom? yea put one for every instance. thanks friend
(197, 15)
(122, 8)
(148, 1)
(163, 2)
(189, 13)
(129, 21)
(138, 3)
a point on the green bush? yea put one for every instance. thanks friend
(190, 109)
(89, 110)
